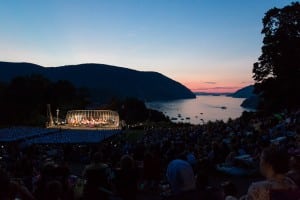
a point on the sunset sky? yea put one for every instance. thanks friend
(207, 45)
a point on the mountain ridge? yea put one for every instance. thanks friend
(104, 81)
(244, 92)
(251, 99)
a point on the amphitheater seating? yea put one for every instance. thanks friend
(18, 133)
(74, 136)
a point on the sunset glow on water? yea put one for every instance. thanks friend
(212, 108)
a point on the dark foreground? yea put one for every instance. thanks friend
(62, 170)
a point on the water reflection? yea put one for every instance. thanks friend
(200, 110)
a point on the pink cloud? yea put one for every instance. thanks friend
(214, 86)
(210, 82)
(219, 89)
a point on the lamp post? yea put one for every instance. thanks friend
(57, 112)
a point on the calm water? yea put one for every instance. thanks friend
(201, 109)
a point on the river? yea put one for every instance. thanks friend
(201, 109)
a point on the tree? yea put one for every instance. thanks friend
(278, 68)
(133, 111)
(24, 99)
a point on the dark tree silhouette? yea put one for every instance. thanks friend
(277, 71)
(24, 99)
(133, 111)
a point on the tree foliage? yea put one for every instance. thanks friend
(133, 111)
(24, 100)
(277, 71)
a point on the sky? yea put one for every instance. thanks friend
(207, 45)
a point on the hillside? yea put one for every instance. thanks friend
(244, 92)
(251, 99)
(104, 81)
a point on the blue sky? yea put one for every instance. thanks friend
(207, 45)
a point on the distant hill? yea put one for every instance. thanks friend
(104, 81)
(251, 99)
(244, 92)
(212, 93)
(251, 102)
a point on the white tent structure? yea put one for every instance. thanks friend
(93, 118)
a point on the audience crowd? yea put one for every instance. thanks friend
(173, 162)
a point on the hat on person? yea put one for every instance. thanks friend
(181, 176)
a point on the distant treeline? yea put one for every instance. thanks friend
(133, 111)
(24, 101)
